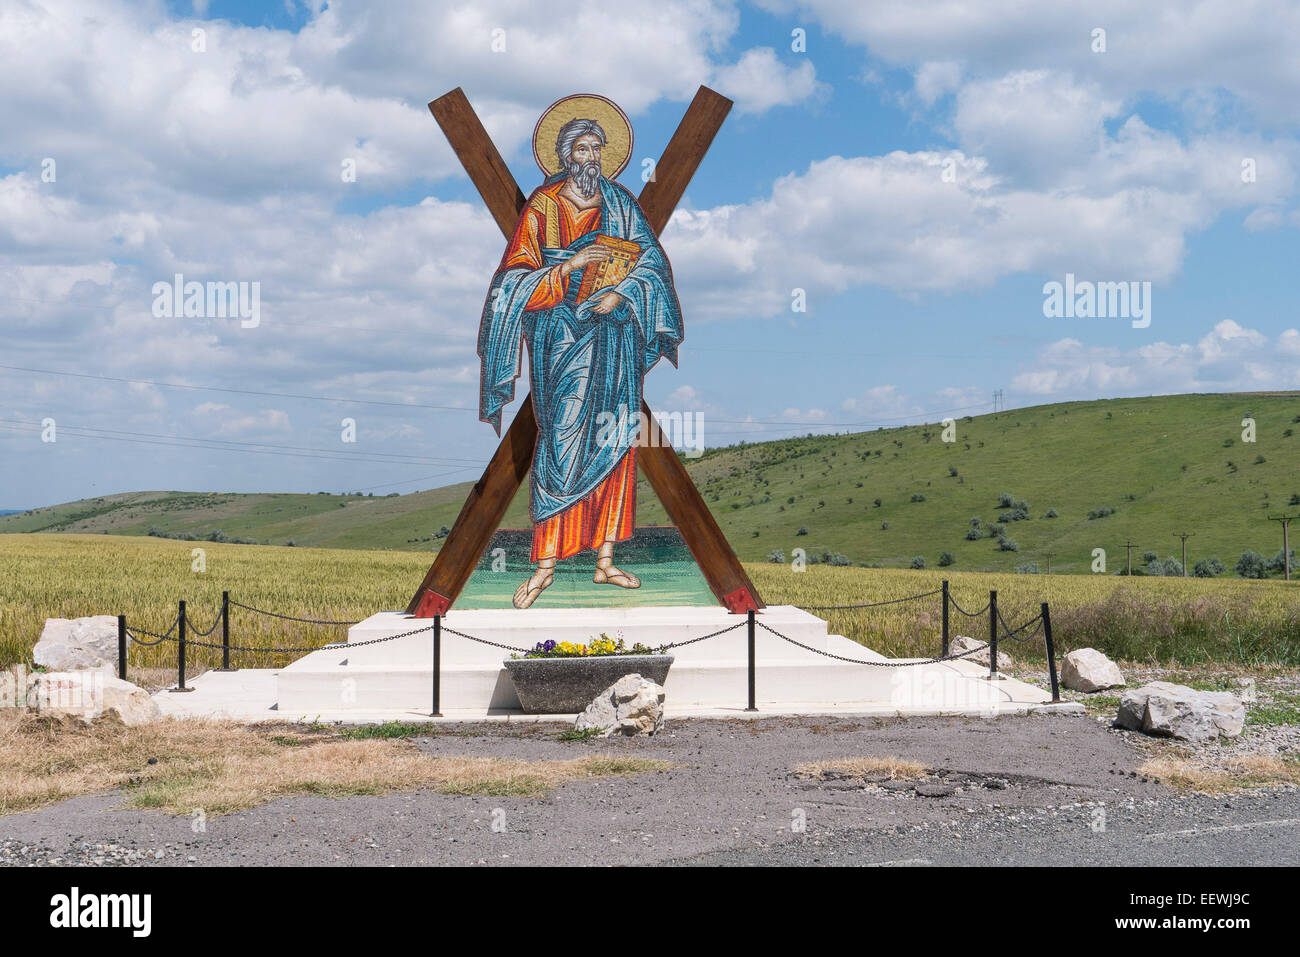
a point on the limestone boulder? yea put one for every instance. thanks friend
(10, 695)
(89, 696)
(1167, 710)
(630, 706)
(964, 643)
(78, 644)
(1088, 670)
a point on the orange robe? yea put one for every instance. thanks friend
(608, 512)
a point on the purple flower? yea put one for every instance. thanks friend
(550, 645)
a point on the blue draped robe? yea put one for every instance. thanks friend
(586, 369)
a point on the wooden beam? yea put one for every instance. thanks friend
(479, 517)
(682, 156)
(686, 508)
(492, 494)
(476, 152)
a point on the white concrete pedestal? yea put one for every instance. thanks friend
(707, 676)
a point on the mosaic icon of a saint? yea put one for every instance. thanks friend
(585, 283)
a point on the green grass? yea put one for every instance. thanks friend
(1101, 704)
(389, 729)
(1282, 709)
(1159, 462)
(573, 734)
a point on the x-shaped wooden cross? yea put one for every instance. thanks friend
(491, 496)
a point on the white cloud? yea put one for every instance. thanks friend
(759, 81)
(1172, 50)
(1228, 358)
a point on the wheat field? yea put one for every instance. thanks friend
(1156, 620)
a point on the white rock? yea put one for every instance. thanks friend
(78, 644)
(89, 695)
(631, 705)
(1087, 669)
(1175, 711)
(964, 643)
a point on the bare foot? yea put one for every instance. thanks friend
(533, 586)
(612, 575)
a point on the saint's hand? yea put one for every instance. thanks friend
(607, 303)
(583, 258)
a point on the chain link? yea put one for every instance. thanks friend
(153, 634)
(969, 614)
(203, 634)
(871, 604)
(276, 614)
(875, 664)
(484, 641)
(714, 634)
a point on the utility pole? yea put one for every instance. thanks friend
(1286, 521)
(998, 403)
(1129, 546)
(1184, 536)
(1048, 556)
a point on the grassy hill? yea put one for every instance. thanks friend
(1164, 465)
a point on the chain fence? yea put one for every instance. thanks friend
(999, 627)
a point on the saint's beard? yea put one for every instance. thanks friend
(585, 177)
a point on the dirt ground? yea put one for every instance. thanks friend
(1032, 788)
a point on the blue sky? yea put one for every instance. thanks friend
(924, 291)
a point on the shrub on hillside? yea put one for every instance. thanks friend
(1005, 500)
(1169, 568)
(1208, 568)
(945, 559)
(1051, 513)
(1007, 545)
(1101, 512)
(918, 561)
(1275, 563)
(776, 557)
(1251, 565)
(973, 534)
(917, 497)
(1028, 568)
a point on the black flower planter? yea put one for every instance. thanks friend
(568, 685)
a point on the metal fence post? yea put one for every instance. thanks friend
(1051, 652)
(750, 622)
(121, 647)
(437, 667)
(993, 633)
(225, 631)
(945, 619)
(180, 651)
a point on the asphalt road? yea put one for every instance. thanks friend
(1032, 789)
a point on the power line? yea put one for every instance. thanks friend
(255, 392)
(1184, 536)
(338, 457)
(400, 456)
(448, 408)
(1286, 521)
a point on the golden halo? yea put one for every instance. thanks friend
(589, 106)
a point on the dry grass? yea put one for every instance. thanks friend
(897, 769)
(1235, 774)
(221, 767)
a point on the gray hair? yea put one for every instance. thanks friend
(569, 134)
